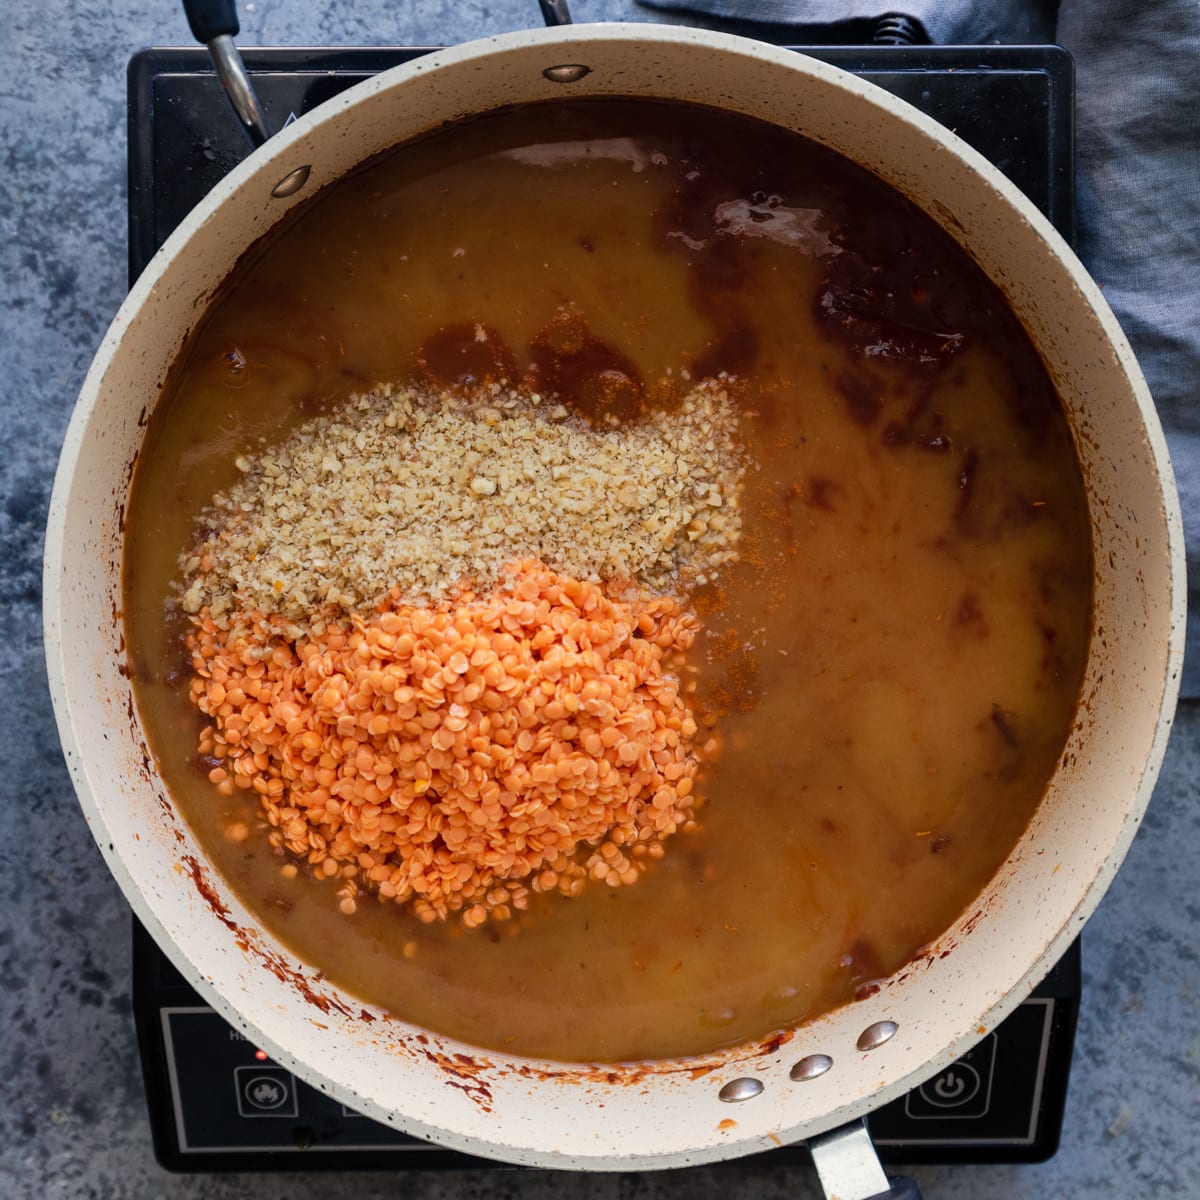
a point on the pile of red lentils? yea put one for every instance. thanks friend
(454, 758)
(455, 755)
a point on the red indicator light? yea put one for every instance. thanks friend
(261, 1055)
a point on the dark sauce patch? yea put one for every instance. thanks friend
(466, 355)
(698, 222)
(870, 316)
(887, 293)
(865, 968)
(968, 615)
(821, 493)
(202, 764)
(1005, 724)
(862, 394)
(592, 376)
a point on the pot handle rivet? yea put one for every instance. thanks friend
(875, 1035)
(567, 73)
(810, 1067)
(291, 183)
(740, 1089)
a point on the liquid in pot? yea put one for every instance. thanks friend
(895, 658)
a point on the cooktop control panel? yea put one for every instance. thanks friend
(218, 1102)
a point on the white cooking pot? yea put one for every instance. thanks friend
(668, 1113)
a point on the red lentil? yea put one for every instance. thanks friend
(454, 758)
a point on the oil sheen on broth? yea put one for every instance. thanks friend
(897, 655)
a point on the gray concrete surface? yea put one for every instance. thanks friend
(72, 1115)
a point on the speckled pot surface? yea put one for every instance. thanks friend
(662, 1114)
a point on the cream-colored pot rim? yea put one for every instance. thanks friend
(665, 1114)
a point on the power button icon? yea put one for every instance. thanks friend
(961, 1090)
(956, 1085)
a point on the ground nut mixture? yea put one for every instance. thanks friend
(440, 636)
(421, 491)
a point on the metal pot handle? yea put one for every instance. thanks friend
(849, 1168)
(214, 23)
(555, 12)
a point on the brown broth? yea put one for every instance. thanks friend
(896, 659)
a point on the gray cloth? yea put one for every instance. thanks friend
(1138, 175)
(945, 21)
(1138, 127)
